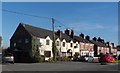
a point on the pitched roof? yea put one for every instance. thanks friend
(43, 33)
(98, 43)
(38, 32)
(66, 37)
(79, 39)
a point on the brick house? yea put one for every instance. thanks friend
(86, 48)
(99, 47)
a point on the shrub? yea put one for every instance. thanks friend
(65, 59)
(40, 58)
(50, 60)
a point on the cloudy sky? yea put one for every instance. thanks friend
(96, 19)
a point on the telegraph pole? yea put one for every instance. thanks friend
(53, 44)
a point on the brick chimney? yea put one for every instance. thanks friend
(72, 34)
(67, 31)
(87, 37)
(95, 39)
(112, 44)
(82, 35)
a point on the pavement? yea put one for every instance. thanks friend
(60, 66)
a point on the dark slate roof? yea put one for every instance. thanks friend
(79, 39)
(118, 47)
(98, 43)
(38, 32)
(43, 33)
(66, 37)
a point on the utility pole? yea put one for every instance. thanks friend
(53, 44)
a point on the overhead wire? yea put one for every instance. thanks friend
(26, 14)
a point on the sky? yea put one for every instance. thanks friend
(96, 19)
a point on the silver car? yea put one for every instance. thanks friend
(8, 58)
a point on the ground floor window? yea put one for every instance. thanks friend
(63, 54)
(47, 53)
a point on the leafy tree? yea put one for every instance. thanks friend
(35, 55)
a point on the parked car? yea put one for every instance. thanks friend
(86, 58)
(106, 58)
(8, 58)
(119, 57)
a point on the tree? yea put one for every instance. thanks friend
(35, 55)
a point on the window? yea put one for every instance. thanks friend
(82, 54)
(47, 42)
(87, 47)
(47, 53)
(82, 46)
(19, 41)
(91, 47)
(76, 45)
(63, 44)
(26, 41)
(57, 43)
(71, 44)
(63, 54)
(14, 44)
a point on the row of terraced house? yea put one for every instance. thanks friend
(27, 37)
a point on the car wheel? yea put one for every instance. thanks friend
(90, 59)
(12, 62)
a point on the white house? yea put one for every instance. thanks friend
(28, 38)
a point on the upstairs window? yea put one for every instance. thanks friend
(76, 45)
(26, 41)
(57, 43)
(14, 44)
(71, 44)
(63, 44)
(47, 42)
(20, 41)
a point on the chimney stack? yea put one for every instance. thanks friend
(82, 35)
(67, 31)
(58, 33)
(87, 37)
(95, 39)
(108, 43)
(72, 34)
(112, 44)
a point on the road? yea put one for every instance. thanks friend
(60, 66)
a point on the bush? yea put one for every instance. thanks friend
(40, 58)
(50, 60)
(76, 57)
(65, 59)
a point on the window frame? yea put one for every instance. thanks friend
(58, 43)
(71, 44)
(47, 53)
(47, 42)
(26, 41)
(63, 44)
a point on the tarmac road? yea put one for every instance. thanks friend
(60, 66)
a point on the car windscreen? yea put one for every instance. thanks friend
(7, 54)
